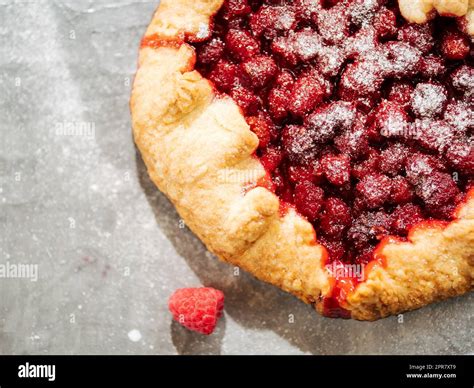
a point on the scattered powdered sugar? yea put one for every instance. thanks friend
(435, 135)
(460, 115)
(333, 24)
(428, 100)
(363, 78)
(307, 44)
(203, 31)
(363, 12)
(330, 60)
(400, 59)
(417, 167)
(326, 123)
(362, 44)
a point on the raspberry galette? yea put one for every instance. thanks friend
(325, 146)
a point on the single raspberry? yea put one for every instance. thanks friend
(260, 70)
(233, 8)
(402, 191)
(272, 20)
(463, 79)
(307, 93)
(393, 159)
(402, 59)
(335, 248)
(297, 174)
(401, 92)
(211, 52)
(337, 169)
(307, 10)
(455, 45)
(299, 144)
(271, 158)
(246, 100)
(432, 67)
(336, 218)
(406, 216)
(461, 156)
(418, 35)
(242, 44)
(261, 127)
(369, 166)
(385, 23)
(368, 227)
(429, 100)
(197, 309)
(374, 190)
(388, 120)
(309, 200)
(334, 24)
(224, 75)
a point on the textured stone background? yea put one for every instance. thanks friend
(109, 246)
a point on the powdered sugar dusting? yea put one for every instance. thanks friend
(429, 100)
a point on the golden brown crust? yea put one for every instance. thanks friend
(420, 11)
(198, 150)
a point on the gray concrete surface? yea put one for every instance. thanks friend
(76, 202)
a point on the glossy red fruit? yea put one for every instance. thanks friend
(234, 8)
(371, 165)
(260, 126)
(336, 249)
(297, 174)
(246, 99)
(455, 45)
(463, 79)
(405, 217)
(401, 92)
(353, 104)
(224, 75)
(306, 94)
(211, 52)
(298, 144)
(335, 219)
(374, 190)
(260, 70)
(337, 169)
(389, 120)
(271, 158)
(419, 166)
(418, 35)
(367, 228)
(309, 199)
(432, 67)
(461, 157)
(385, 23)
(436, 190)
(402, 191)
(393, 159)
(402, 60)
(272, 20)
(241, 44)
(197, 309)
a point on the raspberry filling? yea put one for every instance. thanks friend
(365, 121)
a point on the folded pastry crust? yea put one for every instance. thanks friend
(199, 151)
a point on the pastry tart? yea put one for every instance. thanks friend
(325, 146)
